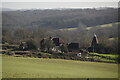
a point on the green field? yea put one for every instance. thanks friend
(107, 57)
(25, 67)
(88, 28)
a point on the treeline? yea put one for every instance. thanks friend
(107, 36)
(59, 18)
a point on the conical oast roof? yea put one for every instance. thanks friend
(95, 40)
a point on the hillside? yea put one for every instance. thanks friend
(71, 25)
(21, 67)
(107, 35)
(66, 18)
(88, 28)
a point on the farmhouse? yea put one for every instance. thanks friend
(73, 48)
(52, 42)
(58, 42)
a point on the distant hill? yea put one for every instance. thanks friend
(56, 18)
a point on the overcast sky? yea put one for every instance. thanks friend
(46, 5)
(60, 0)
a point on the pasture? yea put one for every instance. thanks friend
(26, 67)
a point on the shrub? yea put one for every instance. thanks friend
(11, 53)
(31, 45)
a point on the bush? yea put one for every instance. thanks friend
(31, 45)
(11, 53)
(64, 48)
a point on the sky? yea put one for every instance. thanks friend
(60, 0)
(24, 4)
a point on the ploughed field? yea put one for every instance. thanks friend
(26, 67)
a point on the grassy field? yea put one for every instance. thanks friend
(25, 67)
(102, 26)
(107, 57)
